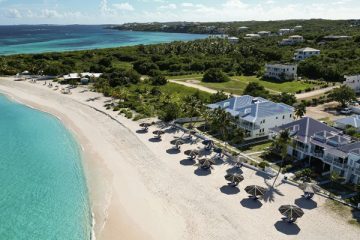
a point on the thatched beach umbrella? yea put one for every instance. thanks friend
(234, 178)
(145, 125)
(208, 143)
(291, 212)
(205, 163)
(309, 189)
(177, 143)
(255, 190)
(158, 133)
(192, 153)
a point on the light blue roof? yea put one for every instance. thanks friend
(352, 121)
(250, 108)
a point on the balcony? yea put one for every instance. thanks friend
(357, 171)
(338, 164)
(248, 126)
(301, 148)
(318, 154)
(328, 160)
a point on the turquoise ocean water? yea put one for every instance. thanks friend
(50, 38)
(43, 193)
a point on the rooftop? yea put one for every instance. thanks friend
(307, 49)
(309, 130)
(250, 108)
(353, 121)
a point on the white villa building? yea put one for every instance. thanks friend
(233, 40)
(243, 28)
(353, 121)
(252, 36)
(78, 76)
(292, 40)
(323, 147)
(353, 82)
(256, 115)
(281, 71)
(303, 53)
(298, 28)
(264, 33)
(284, 31)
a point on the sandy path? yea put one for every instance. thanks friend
(299, 96)
(153, 194)
(314, 93)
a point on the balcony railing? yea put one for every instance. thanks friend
(357, 172)
(318, 154)
(338, 164)
(249, 127)
(328, 159)
(301, 148)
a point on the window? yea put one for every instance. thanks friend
(290, 115)
(283, 116)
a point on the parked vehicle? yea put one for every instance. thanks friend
(346, 111)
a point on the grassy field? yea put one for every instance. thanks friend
(257, 148)
(237, 84)
(173, 89)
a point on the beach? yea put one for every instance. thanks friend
(140, 189)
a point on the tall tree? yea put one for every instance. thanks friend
(300, 110)
(343, 95)
(281, 145)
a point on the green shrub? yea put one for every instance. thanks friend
(263, 165)
(215, 75)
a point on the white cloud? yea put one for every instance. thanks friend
(124, 6)
(168, 6)
(104, 8)
(13, 13)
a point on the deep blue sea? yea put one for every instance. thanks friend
(52, 38)
(43, 193)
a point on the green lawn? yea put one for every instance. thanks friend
(237, 84)
(257, 148)
(172, 89)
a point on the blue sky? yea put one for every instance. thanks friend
(121, 11)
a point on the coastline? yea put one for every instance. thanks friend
(104, 203)
(140, 191)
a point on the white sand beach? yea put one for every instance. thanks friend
(140, 190)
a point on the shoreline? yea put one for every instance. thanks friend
(154, 194)
(80, 148)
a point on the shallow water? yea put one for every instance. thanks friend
(44, 38)
(43, 189)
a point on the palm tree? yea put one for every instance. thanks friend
(300, 110)
(281, 145)
(192, 106)
(334, 178)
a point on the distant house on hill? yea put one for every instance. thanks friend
(264, 33)
(233, 40)
(281, 71)
(252, 36)
(353, 82)
(292, 40)
(298, 28)
(336, 37)
(243, 28)
(303, 53)
(284, 31)
(256, 115)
